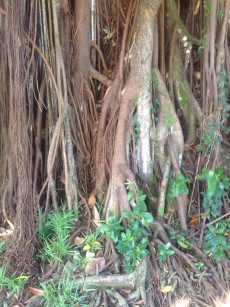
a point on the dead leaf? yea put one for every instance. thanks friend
(35, 291)
(194, 220)
(166, 289)
(91, 201)
(166, 269)
(139, 303)
(155, 281)
(78, 240)
(86, 248)
(95, 266)
(96, 217)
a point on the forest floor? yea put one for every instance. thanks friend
(76, 266)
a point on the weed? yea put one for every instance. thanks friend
(177, 186)
(210, 138)
(216, 241)
(163, 251)
(65, 293)
(213, 135)
(207, 9)
(179, 237)
(91, 242)
(131, 242)
(136, 127)
(54, 233)
(217, 186)
(199, 265)
(12, 285)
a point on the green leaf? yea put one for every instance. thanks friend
(147, 218)
(126, 213)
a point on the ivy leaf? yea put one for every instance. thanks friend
(147, 218)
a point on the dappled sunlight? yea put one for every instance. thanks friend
(183, 302)
(225, 302)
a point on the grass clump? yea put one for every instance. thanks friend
(65, 293)
(11, 285)
(54, 233)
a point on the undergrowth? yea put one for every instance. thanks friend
(9, 286)
(131, 242)
(54, 233)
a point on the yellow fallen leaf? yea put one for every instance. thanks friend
(166, 269)
(197, 7)
(166, 289)
(86, 248)
(96, 243)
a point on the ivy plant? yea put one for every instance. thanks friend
(217, 186)
(163, 251)
(216, 240)
(132, 241)
(177, 186)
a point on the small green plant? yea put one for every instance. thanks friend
(91, 242)
(210, 137)
(216, 240)
(177, 186)
(163, 251)
(179, 237)
(65, 293)
(217, 187)
(54, 233)
(216, 127)
(199, 265)
(12, 285)
(207, 9)
(132, 241)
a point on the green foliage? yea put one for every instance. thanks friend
(179, 237)
(163, 251)
(136, 128)
(223, 97)
(53, 234)
(154, 110)
(86, 249)
(216, 241)
(199, 265)
(213, 134)
(207, 8)
(210, 138)
(131, 242)
(91, 242)
(12, 285)
(113, 229)
(217, 187)
(65, 293)
(177, 186)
